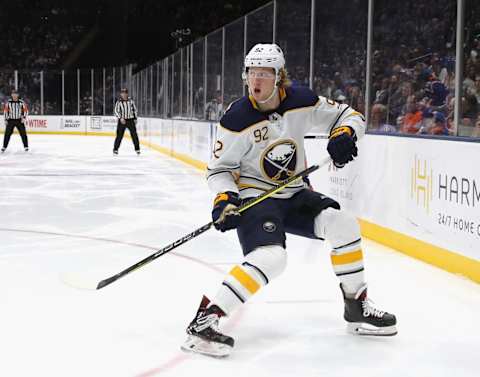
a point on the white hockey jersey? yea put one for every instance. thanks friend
(256, 150)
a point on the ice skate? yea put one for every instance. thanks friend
(26, 149)
(3, 150)
(203, 335)
(115, 152)
(364, 319)
(138, 152)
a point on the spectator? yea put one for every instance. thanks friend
(355, 98)
(412, 119)
(439, 126)
(427, 121)
(378, 120)
(382, 95)
(437, 92)
(214, 108)
(469, 81)
(470, 104)
(398, 101)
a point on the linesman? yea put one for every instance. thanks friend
(15, 112)
(126, 113)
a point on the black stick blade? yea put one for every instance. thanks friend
(106, 282)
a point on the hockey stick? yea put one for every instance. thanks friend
(204, 228)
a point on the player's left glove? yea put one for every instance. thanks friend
(341, 145)
(225, 215)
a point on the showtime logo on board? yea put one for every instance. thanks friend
(37, 123)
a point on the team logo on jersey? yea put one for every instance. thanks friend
(279, 160)
(269, 227)
(274, 117)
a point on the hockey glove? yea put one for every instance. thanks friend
(224, 214)
(341, 145)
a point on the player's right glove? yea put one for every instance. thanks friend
(224, 214)
(341, 145)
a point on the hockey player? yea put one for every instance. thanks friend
(260, 142)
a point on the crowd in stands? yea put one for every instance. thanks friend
(37, 35)
(413, 74)
(413, 66)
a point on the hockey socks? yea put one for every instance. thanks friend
(347, 262)
(260, 267)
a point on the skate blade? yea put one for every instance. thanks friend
(195, 344)
(360, 328)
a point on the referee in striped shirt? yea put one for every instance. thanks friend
(126, 112)
(15, 112)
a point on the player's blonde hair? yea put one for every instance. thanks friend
(284, 81)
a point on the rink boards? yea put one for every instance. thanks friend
(77, 125)
(419, 196)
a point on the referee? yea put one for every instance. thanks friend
(15, 112)
(126, 112)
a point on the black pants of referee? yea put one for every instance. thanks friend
(130, 124)
(11, 124)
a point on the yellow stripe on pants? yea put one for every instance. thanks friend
(245, 279)
(347, 258)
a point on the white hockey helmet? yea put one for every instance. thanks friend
(267, 55)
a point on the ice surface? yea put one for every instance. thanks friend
(70, 206)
